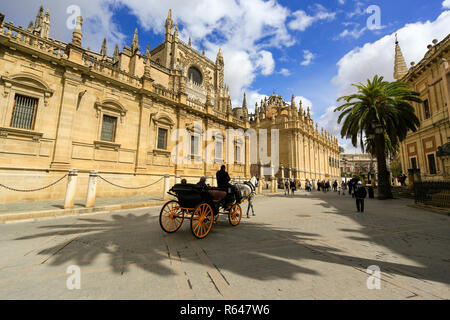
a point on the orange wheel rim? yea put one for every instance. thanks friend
(171, 217)
(202, 220)
(235, 214)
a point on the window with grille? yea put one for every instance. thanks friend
(162, 139)
(109, 128)
(426, 109)
(24, 113)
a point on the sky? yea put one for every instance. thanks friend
(313, 50)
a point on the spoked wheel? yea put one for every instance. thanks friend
(235, 215)
(202, 220)
(171, 217)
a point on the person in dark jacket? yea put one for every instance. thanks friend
(293, 187)
(223, 178)
(202, 182)
(360, 195)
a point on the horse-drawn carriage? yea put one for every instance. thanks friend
(203, 206)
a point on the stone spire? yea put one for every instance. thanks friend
(77, 36)
(293, 105)
(30, 26)
(39, 18)
(104, 51)
(400, 68)
(135, 43)
(148, 55)
(190, 42)
(244, 102)
(45, 29)
(169, 24)
(300, 111)
(116, 54)
(308, 114)
(244, 107)
(175, 34)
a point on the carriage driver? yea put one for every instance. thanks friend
(223, 178)
(223, 182)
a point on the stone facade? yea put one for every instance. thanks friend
(65, 107)
(431, 78)
(305, 153)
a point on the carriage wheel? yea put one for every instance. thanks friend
(235, 215)
(171, 217)
(202, 220)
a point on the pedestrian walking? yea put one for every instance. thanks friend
(292, 184)
(360, 194)
(286, 188)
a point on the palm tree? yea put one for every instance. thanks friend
(380, 111)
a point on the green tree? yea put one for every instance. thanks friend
(380, 110)
(341, 150)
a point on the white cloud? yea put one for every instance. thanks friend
(265, 62)
(365, 62)
(446, 4)
(303, 21)
(245, 30)
(285, 72)
(308, 57)
(355, 33)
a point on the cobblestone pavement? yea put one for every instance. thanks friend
(311, 246)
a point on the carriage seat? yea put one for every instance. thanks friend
(217, 194)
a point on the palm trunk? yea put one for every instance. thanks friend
(384, 185)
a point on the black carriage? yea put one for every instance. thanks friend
(202, 205)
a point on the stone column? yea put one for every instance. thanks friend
(92, 189)
(177, 179)
(62, 154)
(144, 129)
(71, 189)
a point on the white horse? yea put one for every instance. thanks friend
(248, 191)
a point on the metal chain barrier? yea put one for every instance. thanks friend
(131, 188)
(33, 190)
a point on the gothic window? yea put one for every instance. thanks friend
(195, 75)
(219, 148)
(24, 112)
(109, 126)
(162, 139)
(194, 145)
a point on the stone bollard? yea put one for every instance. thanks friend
(177, 179)
(214, 183)
(92, 189)
(166, 187)
(71, 189)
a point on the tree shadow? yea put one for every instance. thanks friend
(277, 252)
(419, 236)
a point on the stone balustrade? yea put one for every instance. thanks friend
(23, 37)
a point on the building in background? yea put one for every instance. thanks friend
(360, 165)
(65, 107)
(305, 152)
(428, 148)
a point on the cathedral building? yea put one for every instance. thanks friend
(305, 152)
(65, 107)
(428, 149)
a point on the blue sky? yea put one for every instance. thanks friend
(312, 49)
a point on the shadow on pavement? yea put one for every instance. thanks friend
(138, 240)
